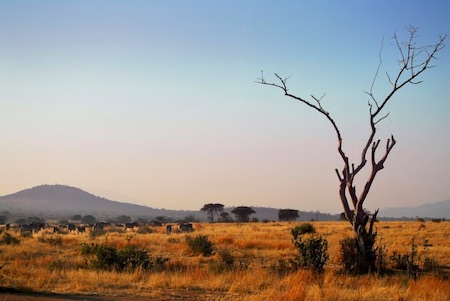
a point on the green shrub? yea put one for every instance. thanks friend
(312, 252)
(411, 261)
(106, 257)
(127, 259)
(407, 261)
(302, 229)
(349, 255)
(8, 239)
(200, 245)
(380, 259)
(131, 258)
(356, 262)
(400, 261)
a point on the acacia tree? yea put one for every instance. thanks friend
(287, 214)
(413, 61)
(88, 219)
(212, 210)
(225, 217)
(123, 219)
(242, 213)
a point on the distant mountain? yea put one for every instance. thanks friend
(430, 210)
(65, 201)
(61, 200)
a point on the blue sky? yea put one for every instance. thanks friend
(155, 102)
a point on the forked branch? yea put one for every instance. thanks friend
(414, 60)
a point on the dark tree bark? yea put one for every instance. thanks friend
(414, 60)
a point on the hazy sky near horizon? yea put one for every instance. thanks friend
(155, 102)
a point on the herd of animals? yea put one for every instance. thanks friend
(37, 227)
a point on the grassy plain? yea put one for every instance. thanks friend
(259, 252)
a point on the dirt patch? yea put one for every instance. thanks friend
(7, 294)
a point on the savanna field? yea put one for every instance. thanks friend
(252, 261)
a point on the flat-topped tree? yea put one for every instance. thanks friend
(413, 61)
(242, 213)
(287, 214)
(212, 210)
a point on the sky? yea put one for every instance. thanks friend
(156, 102)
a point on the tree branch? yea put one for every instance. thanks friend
(380, 62)
(413, 62)
(283, 86)
(407, 63)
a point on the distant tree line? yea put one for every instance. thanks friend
(215, 212)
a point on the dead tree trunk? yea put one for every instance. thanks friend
(413, 61)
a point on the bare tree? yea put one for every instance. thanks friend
(413, 61)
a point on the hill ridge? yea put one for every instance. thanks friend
(58, 199)
(64, 200)
(67, 200)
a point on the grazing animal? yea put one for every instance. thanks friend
(71, 228)
(99, 226)
(81, 229)
(186, 227)
(26, 229)
(168, 229)
(131, 226)
(31, 228)
(36, 227)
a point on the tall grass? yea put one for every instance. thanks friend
(245, 266)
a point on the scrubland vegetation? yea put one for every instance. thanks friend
(249, 261)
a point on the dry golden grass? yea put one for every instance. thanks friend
(37, 265)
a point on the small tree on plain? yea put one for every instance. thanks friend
(225, 217)
(76, 217)
(413, 61)
(3, 219)
(34, 219)
(212, 210)
(163, 219)
(123, 219)
(191, 218)
(88, 219)
(242, 213)
(20, 221)
(287, 214)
